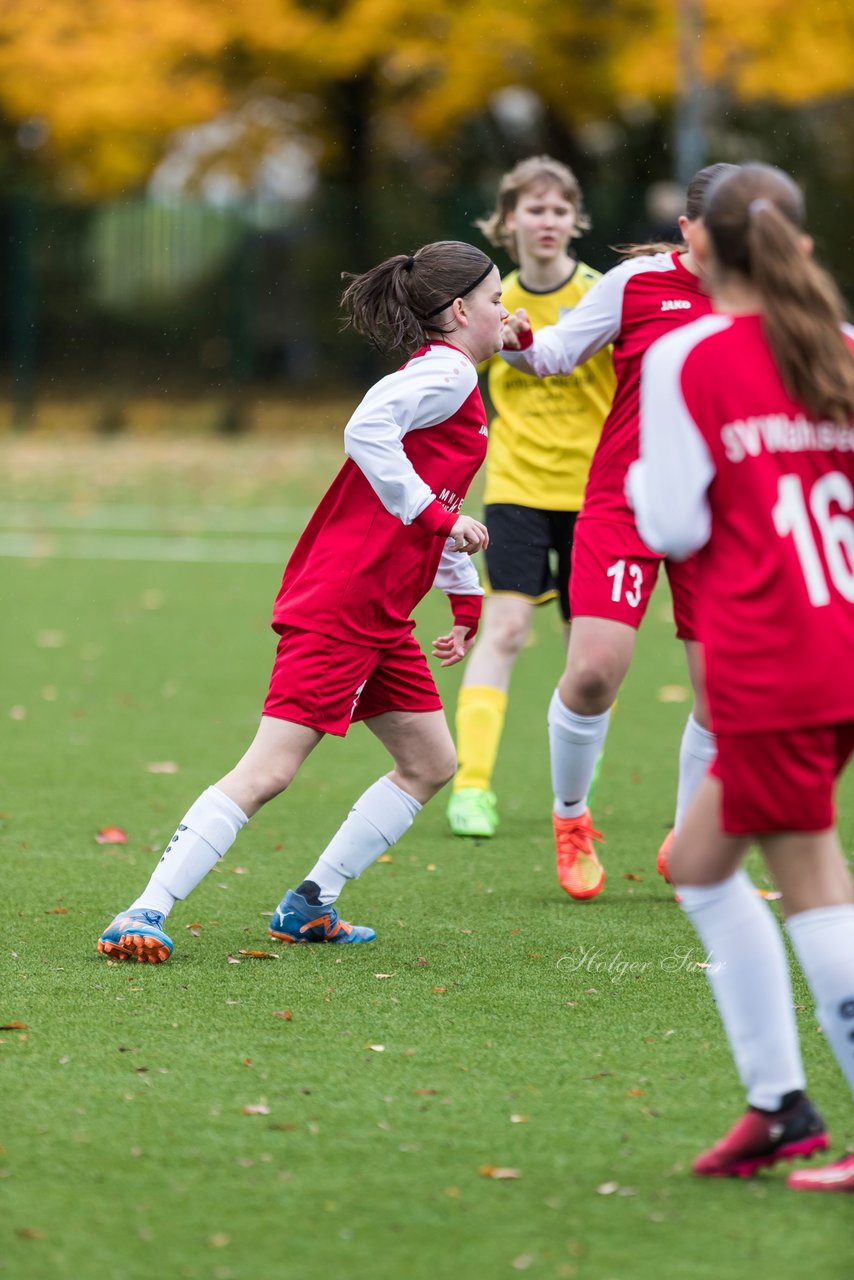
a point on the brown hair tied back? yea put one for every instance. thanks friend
(754, 218)
(394, 304)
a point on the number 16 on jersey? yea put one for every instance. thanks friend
(835, 567)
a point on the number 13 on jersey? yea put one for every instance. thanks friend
(833, 563)
(629, 576)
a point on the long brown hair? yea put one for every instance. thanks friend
(535, 171)
(695, 199)
(754, 219)
(396, 304)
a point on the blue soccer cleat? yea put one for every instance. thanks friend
(297, 920)
(136, 935)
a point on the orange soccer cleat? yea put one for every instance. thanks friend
(579, 870)
(663, 854)
(136, 935)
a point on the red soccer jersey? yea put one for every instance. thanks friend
(377, 541)
(730, 463)
(632, 306)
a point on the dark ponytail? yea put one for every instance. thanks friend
(397, 304)
(754, 220)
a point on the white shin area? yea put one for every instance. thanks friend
(697, 750)
(824, 944)
(377, 821)
(575, 742)
(205, 833)
(749, 975)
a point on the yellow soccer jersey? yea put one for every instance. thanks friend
(544, 432)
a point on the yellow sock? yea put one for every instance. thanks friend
(480, 723)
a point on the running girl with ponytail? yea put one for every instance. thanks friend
(747, 458)
(388, 528)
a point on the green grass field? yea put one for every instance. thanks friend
(165, 1121)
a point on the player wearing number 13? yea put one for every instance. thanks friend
(747, 458)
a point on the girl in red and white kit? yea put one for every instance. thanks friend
(388, 528)
(613, 571)
(747, 458)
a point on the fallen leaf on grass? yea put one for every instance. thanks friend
(439, 991)
(30, 1233)
(426, 1093)
(256, 1109)
(260, 955)
(770, 895)
(284, 1014)
(673, 693)
(608, 1188)
(58, 911)
(219, 1241)
(376, 1048)
(630, 875)
(13, 1026)
(523, 1262)
(232, 959)
(518, 1119)
(635, 1093)
(111, 835)
(50, 639)
(161, 766)
(385, 857)
(383, 975)
(499, 1172)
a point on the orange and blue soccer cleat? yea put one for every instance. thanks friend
(297, 920)
(837, 1176)
(136, 935)
(761, 1138)
(579, 870)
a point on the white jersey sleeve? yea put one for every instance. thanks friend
(456, 574)
(426, 392)
(586, 329)
(667, 486)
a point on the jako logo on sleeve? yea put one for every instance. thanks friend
(676, 304)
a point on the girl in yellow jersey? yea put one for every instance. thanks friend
(541, 442)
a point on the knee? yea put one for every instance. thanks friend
(424, 779)
(509, 637)
(267, 783)
(439, 771)
(590, 682)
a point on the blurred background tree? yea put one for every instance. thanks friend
(191, 177)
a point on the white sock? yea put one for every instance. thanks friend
(377, 821)
(824, 943)
(696, 752)
(574, 744)
(204, 835)
(751, 985)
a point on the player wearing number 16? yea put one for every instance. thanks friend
(747, 458)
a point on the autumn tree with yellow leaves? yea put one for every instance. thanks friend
(102, 83)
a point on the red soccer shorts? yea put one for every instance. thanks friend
(614, 574)
(325, 683)
(781, 781)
